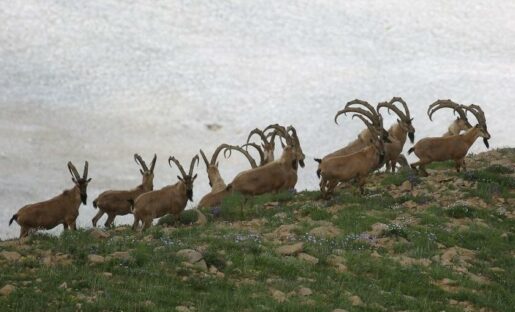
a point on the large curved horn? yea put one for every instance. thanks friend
(404, 104)
(214, 157)
(354, 110)
(205, 158)
(258, 148)
(258, 132)
(181, 169)
(251, 160)
(141, 162)
(478, 113)
(392, 107)
(192, 165)
(370, 127)
(443, 104)
(280, 131)
(153, 163)
(85, 173)
(73, 171)
(377, 120)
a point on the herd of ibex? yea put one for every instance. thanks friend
(374, 148)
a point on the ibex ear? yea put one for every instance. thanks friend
(398, 120)
(216, 165)
(178, 177)
(142, 173)
(89, 180)
(194, 177)
(74, 181)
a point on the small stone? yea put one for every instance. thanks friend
(200, 265)
(340, 310)
(160, 248)
(121, 255)
(63, 285)
(290, 250)
(308, 258)
(356, 301)
(107, 274)
(405, 186)
(148, 303)
(192, 256)
(304, 291)
(278, 295)
(96, 259)
(7, 290)
(10, 255)
(325, 231)
(182, 309)
(99, 234)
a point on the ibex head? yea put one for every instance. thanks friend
(377, 140)
(480, 116)
(375, 118)
(147, 174)
(267, 144)
(186, 179)
(80, 182)
(405, 120)
(292, 149)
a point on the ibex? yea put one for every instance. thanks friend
(275, 176)
(62, 209)
(267, 144)
(397, 132)
(116, 203)
(352, 166)
(170, 199)
(453, 147)
(460, 124)
(218, 187)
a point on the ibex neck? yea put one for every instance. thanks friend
(398, 132)
(471, 136)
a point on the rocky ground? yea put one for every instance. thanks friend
(445, 242)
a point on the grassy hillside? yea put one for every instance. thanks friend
(446, 242)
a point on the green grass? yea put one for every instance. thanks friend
(238, 243)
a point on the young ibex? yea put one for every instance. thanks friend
(275, 176)
(218, 187)
(397, 132)
(352, 166)
(453, 147)
(460, 124)
(116, 203)
(62, 209)
(170, 199)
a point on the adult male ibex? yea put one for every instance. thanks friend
(170, 199)
(62, 209)
(397, 132)
(218, 187)
(453, 147)
(117, 203)
(281, 174)
(357, 166)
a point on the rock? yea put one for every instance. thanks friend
(304, 292)
(121, 255)
(325, 231)
(192, 256)
(278, 295)
(99, 234)
(378, 229)
(283, 232)
(201, 266)
(457, 255)
(356, 301)
(96, 259)
(405, 186)
(308, 258)
(410, 204)
(408, 261)
(340, 310)
(10, 255)
(148, 303)
(290, 250)
(63, 285)
(201, 218)
(182, 309)
(107, 274)
(7, 290)
(271, 205)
